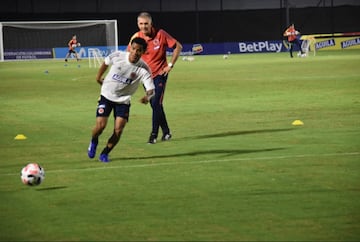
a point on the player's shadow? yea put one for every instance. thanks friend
(51, 188)
(235, 133)
(224, 152)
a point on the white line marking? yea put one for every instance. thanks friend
(105, 167)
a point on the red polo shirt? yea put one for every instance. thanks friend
(155, 55)
(290, 33)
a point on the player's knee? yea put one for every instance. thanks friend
(118, 129)
(101, 126)
(117, 132)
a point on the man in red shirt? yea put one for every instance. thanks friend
(158, 41)
(72, 45)
(291, 33)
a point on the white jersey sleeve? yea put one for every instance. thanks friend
(147, 79)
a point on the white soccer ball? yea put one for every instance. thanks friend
(32, 174)
(78, 44)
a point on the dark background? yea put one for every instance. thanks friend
(199, 21)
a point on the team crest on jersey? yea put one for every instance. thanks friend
(156, 43)
(133, 76)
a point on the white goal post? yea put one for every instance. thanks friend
(95, 57)
(43, 38)
(308, 44)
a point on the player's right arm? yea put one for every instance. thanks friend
(287, 32)
(99, 75)
(70, 44)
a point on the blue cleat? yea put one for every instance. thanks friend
(104, 158)
(92, 150)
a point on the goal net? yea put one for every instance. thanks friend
(96, 57)
(308, 45)
(40, 39)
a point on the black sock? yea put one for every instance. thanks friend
(95, 140)
(106, 150)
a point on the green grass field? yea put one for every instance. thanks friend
(236, 169)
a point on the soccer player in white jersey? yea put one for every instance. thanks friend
(126, 73)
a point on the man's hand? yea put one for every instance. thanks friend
(149, 94)
(144, 100)
(100, 81)
(165, 71)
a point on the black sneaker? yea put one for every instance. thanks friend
(152, 139)
(166, 137)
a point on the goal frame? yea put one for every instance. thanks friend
(308, 44)
(10, 23)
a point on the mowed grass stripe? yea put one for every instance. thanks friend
(107, 166)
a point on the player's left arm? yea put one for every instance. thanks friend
(149, 87)
(149, 94)
(175, 55)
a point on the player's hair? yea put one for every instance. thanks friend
(145, 15)
(139, 41)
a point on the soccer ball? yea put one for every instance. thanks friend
(32, 174)
(78, 44)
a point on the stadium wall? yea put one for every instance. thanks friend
(216, 26)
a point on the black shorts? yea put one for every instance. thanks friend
(105, 107)
(72, 51)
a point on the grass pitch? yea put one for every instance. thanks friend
(236, 168)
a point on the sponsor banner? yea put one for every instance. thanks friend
(354, 42)
(328, 43)
(269, 46)
(206, 49)
(83, 52)
(261, 46)
(197, 48)
(28, 54)
(233, 47)
(338, 43)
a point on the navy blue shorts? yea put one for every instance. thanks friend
(105, 107)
